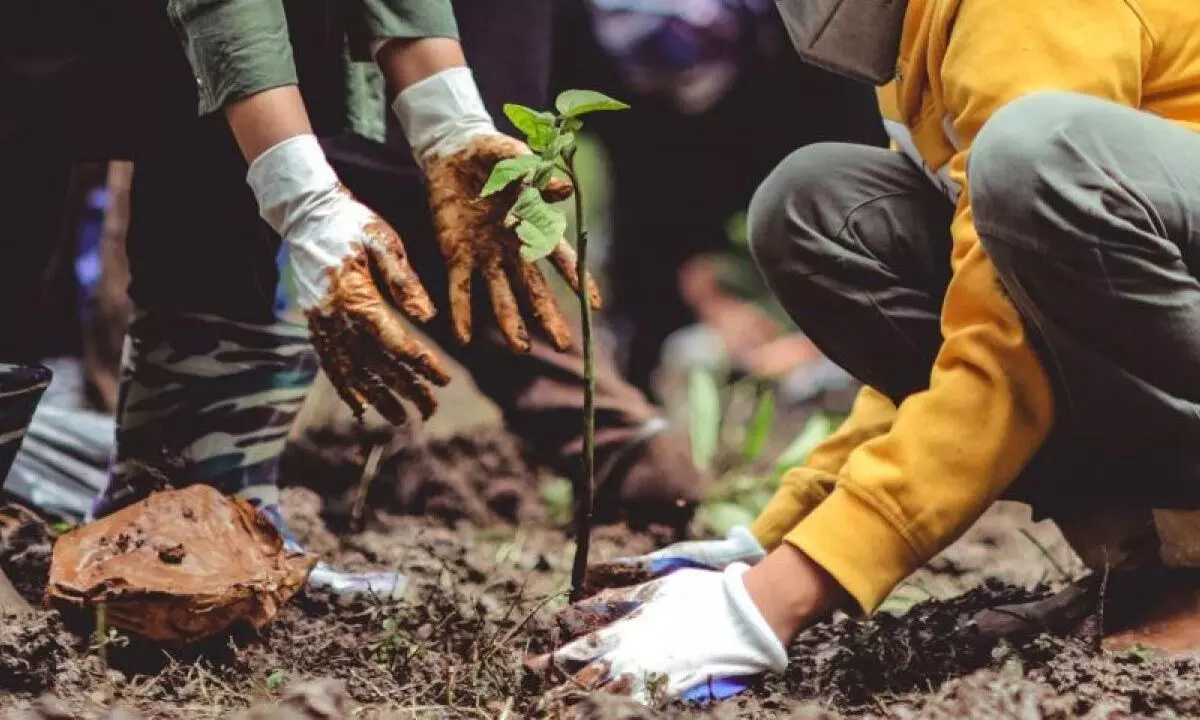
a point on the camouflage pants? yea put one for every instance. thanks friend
(212, 380)
(209, 398)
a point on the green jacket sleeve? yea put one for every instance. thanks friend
(387, 19)
(236, 47)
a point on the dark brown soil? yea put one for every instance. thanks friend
(482, 478)
(25, 547)
(484, 598)
(612, 575)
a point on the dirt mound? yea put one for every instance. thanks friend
(850, 663)
(483, 598)
(482, 477)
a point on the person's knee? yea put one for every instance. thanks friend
(786, 210)
(1033, 150)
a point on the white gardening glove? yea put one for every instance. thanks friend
(456, 144)
(334, 244)
(738, 546)
(695, 635)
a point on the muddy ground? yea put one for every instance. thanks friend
(488, 564)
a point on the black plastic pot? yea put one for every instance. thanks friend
(21, 387)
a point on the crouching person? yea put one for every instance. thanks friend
(1017, 283)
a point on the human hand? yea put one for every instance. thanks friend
(694, 635)
(337, 247)
(457, 145)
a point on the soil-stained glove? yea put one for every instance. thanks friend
(335, 245)
(456, 144)
(738, 546)
(695, 635)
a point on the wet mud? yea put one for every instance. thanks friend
(486, 597)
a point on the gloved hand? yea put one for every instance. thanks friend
(738, 546)
(695, 635)
(334, 244)
(456, 144)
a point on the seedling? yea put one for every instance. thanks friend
(105, 636)
(540, 226)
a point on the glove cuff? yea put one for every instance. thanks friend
(441, 112)
(286, 177)
(747, 547)
(753, 626)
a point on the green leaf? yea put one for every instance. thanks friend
(574, 103)
(539, 225)
(276, 680)
(815, 430)
(558, 497)
(542, 177)
(559, 145)
(759, 429)
(570, 125)
(508, 171)
(704, 417)
(537, 125)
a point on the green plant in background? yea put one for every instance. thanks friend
(540, 226)
(275, 681)
(730, 426)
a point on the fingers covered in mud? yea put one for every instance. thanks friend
(541, 299)
(474, 237)
(558, 189)
(564, 259)
(390, 257)
(459, 277)
(504, 303)
(367, 353)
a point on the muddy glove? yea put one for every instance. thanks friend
(337, 246)
(695, 635)
(738, 546)
(456, 144)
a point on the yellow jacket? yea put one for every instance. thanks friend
(896, 485)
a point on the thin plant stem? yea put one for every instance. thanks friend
(101, 636)
(584, 487)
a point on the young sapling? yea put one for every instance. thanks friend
(540, 226)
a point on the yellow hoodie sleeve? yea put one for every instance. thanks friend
(955, 447)
(802, 489)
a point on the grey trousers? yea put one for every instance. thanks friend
(1090, 212)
